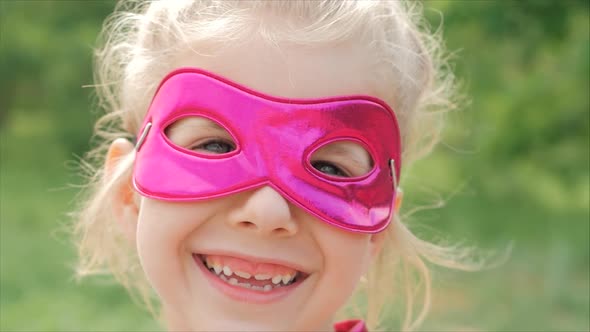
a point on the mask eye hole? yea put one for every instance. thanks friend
(200, 135)
(341, 159)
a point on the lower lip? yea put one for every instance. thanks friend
(243, 294)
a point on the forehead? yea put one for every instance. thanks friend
(290, 71)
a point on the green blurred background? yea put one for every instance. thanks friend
(513, 167)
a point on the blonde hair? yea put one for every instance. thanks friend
(140, 38)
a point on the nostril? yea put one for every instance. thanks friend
(281, 231)
(248, 224)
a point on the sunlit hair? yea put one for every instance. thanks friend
(137, 49)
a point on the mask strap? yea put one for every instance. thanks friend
(146, 129)
(393, 173)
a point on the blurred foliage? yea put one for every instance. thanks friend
(513, 167)
(45, 61)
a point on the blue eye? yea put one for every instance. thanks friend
(328, 168)
(215, 147)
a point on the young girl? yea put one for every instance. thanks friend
(252, 152)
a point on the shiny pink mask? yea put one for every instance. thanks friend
(275, 138)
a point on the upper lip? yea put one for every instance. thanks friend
(255, 259)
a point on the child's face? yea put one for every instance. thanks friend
(259, 225)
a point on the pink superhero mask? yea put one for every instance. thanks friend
(274, 139)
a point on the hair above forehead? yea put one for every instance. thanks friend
(143, 38)
(294, 20)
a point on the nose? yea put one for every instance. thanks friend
(264, 211)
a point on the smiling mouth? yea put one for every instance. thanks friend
(261, 278)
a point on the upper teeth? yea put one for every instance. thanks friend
(227, 271)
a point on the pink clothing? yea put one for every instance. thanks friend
(351, 325)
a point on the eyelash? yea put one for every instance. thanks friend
(318, 164)
(201, 146)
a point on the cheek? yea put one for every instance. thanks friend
(344, 251)
(348, 263)
(346, 256)
(342, 271)
(162, 233)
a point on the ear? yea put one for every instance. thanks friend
(399, 198)
(125, 201)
